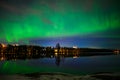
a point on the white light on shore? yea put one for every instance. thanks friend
(75, 47)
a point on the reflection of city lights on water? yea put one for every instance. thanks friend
(51, 56)
(116, 51)
(56, 53)
(14, 59)
(2, 58)
(75, 56)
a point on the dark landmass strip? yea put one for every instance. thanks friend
(29, 51)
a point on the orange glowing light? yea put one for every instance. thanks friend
(3, 45)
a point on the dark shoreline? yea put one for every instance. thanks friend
(62, 76)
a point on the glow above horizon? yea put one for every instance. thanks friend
(52, 19)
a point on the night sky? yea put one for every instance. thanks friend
(82, 23)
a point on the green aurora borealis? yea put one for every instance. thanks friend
(35, 19)
(83, 23)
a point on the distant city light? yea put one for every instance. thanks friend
(56, 50)
(15, 44)
(75, 47)
(3, 45)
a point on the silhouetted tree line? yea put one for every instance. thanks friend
(26, 51)
(30, 51)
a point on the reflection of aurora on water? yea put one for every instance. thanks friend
(76, 66)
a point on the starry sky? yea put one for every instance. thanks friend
(82, 23)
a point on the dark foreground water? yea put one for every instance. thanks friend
(75, 66)
(80, 65)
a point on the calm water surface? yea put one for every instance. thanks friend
(80, 65)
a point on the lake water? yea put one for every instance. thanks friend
(76, 65)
